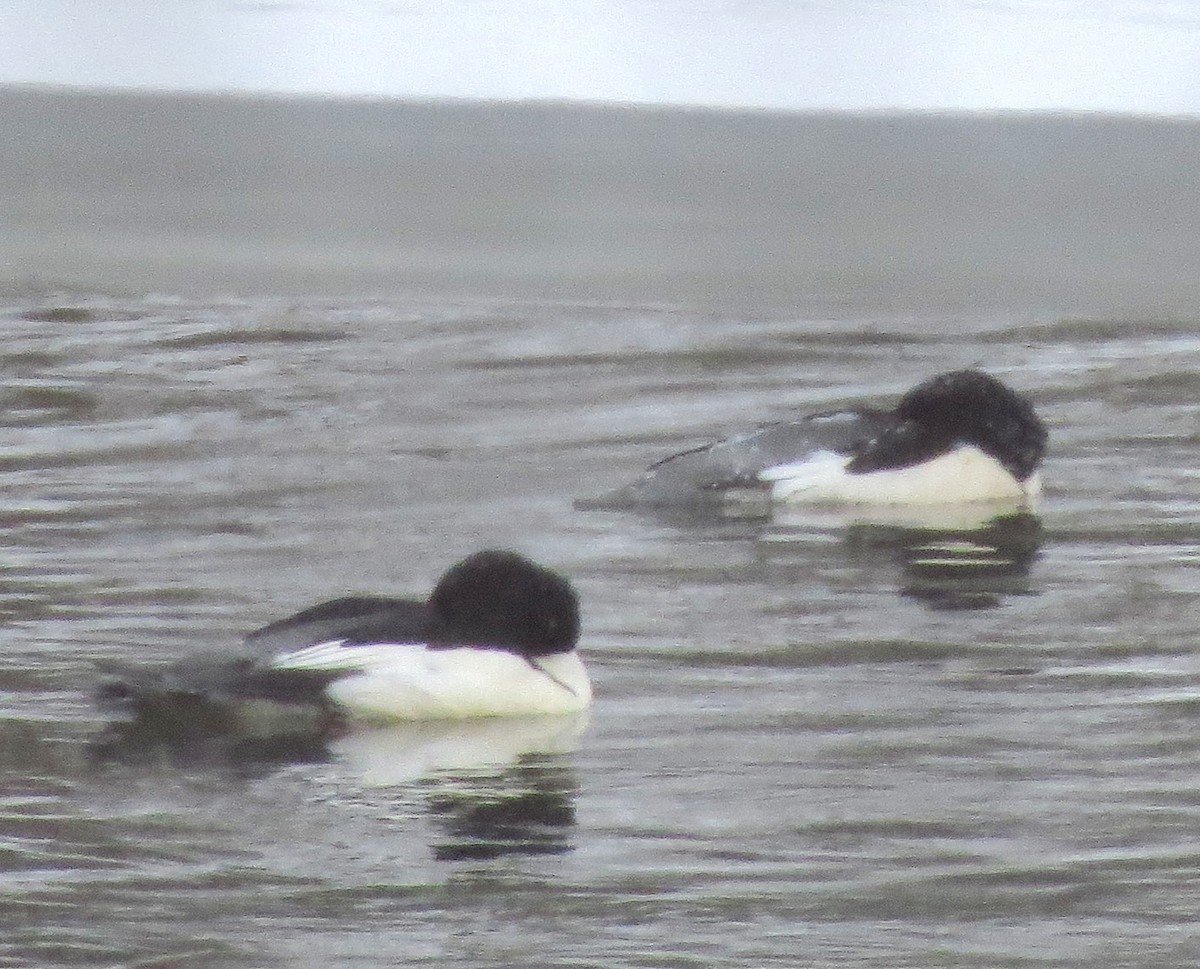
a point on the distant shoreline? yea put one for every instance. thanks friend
(589, 104)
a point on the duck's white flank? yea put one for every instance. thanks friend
(964, 474)
(405, 681)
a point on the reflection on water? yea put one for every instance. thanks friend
(947, 557)
(528, 809)
(180, 742)
(494, 786)
(969, 570)
(406, 752)
(954, 568)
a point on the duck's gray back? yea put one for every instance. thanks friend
(705, 473)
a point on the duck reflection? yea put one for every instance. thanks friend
(528, 809)
(973, 555)
(407, 752)
(176, 741)
(975, 558)
(493, 786)
(950, 569)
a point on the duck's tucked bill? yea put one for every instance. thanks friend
(496, 638)
(958, 437)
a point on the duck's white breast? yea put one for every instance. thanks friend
(391, 681)
(964, 474)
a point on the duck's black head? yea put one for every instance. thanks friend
(501, 599)
(971, 407)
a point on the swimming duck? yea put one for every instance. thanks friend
(496, 637)
(961, 436)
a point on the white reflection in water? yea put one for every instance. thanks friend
(402, 753)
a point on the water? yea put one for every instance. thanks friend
(837, 215)
(814, 742)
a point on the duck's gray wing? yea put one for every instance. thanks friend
(357, 619)
(704, 473)
(182, 688)
(245, 673)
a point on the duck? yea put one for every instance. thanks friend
(497, 637)
(961, 436)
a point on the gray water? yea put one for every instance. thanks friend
(818, 740)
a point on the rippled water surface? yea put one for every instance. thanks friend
(817, 741)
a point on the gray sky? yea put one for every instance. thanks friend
(1138, 56)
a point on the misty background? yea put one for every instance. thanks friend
(1130, 56)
